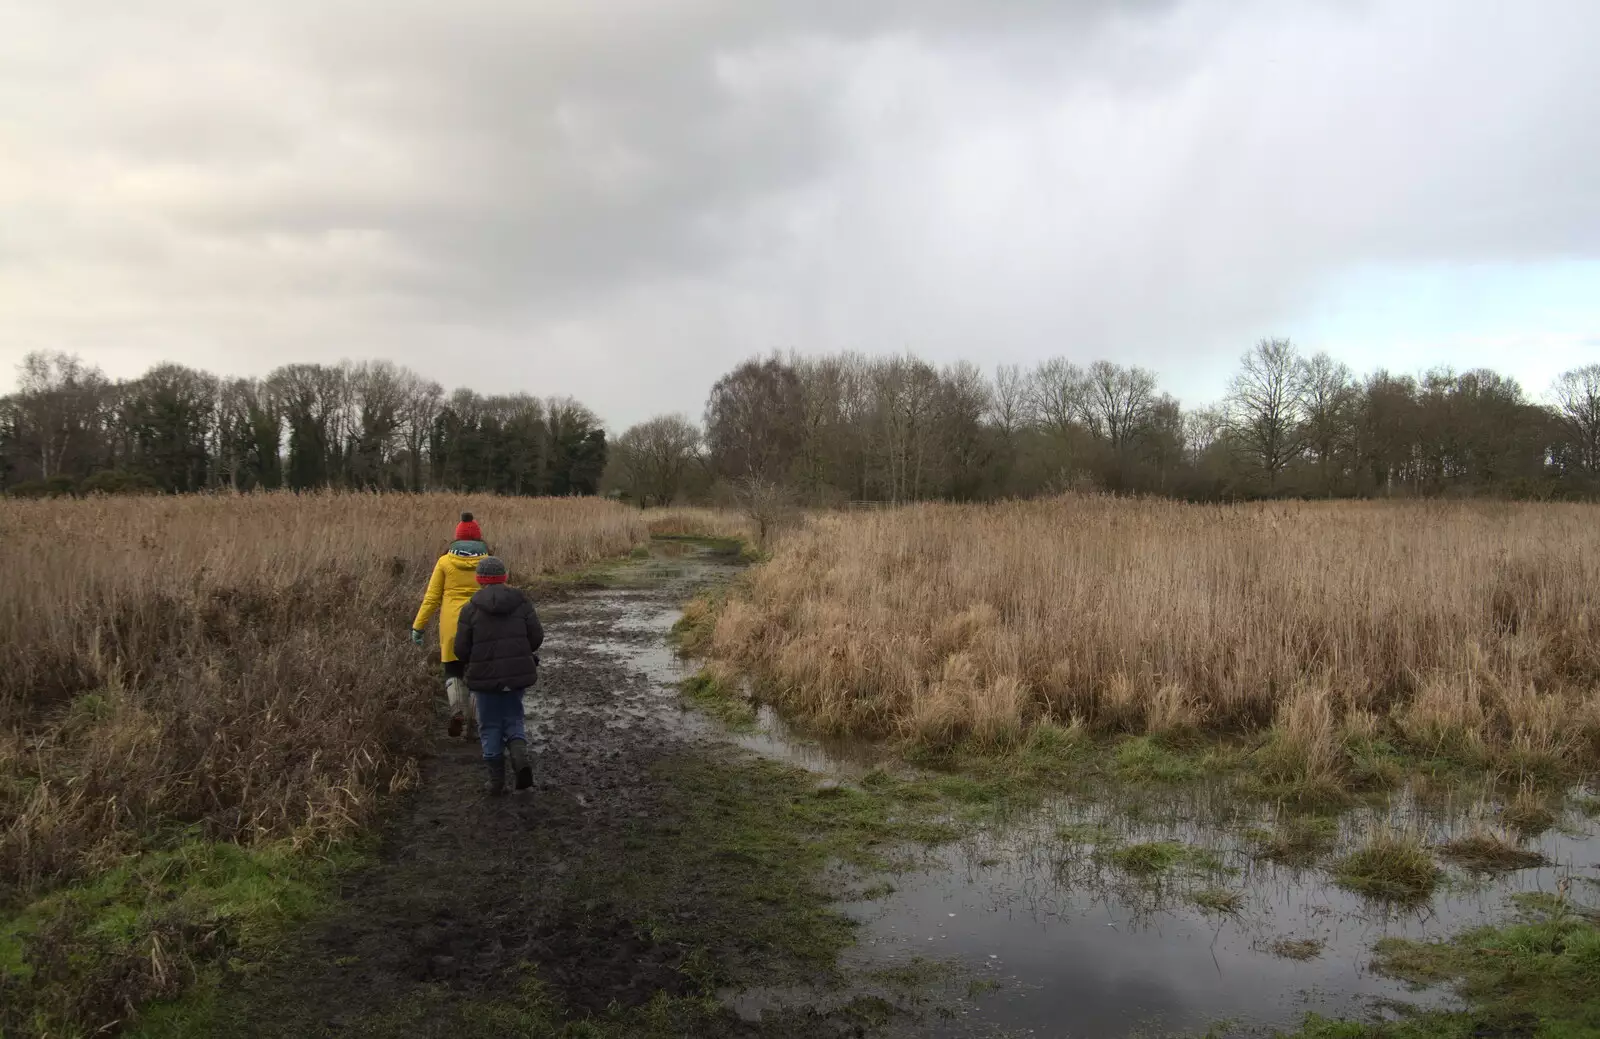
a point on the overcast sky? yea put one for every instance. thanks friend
(622, 199)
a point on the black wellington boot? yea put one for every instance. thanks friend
(518, 750)
(496, 767)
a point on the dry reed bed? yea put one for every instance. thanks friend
(1468, 628)
(685, 521)
(236, 663)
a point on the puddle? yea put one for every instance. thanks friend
(1047, 934)
(1079, 946)
(772, 737)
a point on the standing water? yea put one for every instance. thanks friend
(1054, 925)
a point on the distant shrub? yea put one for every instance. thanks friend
(55, 487)
(114, 481)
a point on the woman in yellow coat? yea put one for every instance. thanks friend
(454, 581)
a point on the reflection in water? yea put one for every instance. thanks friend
(1080, 945)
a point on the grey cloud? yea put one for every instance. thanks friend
(576, 190)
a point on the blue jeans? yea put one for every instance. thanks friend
(499, 720)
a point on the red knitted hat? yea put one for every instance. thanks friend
(468, 529)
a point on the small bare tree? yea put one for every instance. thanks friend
(765, 502)
(1266, 407)
(1577, 396)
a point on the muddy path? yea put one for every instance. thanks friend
(525, 914)
(672, 876)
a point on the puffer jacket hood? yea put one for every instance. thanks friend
(498, 599)
(498, 637)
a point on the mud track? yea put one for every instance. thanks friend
(499, 916)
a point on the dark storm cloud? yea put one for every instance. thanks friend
(619, 200)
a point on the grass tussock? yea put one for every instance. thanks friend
(1484, 851)
(1539, 976)
(1391, 867)
(1528, 812)
(1298, 840)
(1300, 949)
(1343, 633)
(1218, 900)
(215, 669)
(1154, 858)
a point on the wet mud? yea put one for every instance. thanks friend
(469, 891)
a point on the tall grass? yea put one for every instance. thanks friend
(235, 668)
(686, 521)
(1470, 630)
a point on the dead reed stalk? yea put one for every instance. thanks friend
(1468, 626)
(233, 664)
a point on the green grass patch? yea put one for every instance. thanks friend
(1153, 858)
(150, 928)
(1093, 833)
(691, 634)
(1391, 868)
(716, 699)
(1537, 977)
(1218, 900)
(1143, 759)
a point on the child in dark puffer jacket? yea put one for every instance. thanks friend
(498, 637)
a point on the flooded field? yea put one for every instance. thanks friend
(1070, 923)
(1130, 911)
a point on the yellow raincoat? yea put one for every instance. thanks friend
(454, 581)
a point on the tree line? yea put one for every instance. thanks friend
(369, 426)
(816, 430)
(826, 430)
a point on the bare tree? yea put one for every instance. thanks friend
(1266, 407)
(654, 457)
(1203, 429)
(311, 396)
(1118, 401)
(58, 405)
(965, 397)
(765, 501)
(907, 392)
(1058, 395)
(377, 392)
(1331, 403)
(1009, 407)
(421, 400)
(822, 389)
(753, 420)
(1577, 395)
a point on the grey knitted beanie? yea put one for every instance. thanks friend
(491, 570)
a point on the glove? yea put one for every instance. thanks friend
(416, 636)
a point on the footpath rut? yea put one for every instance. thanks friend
(469, 891)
